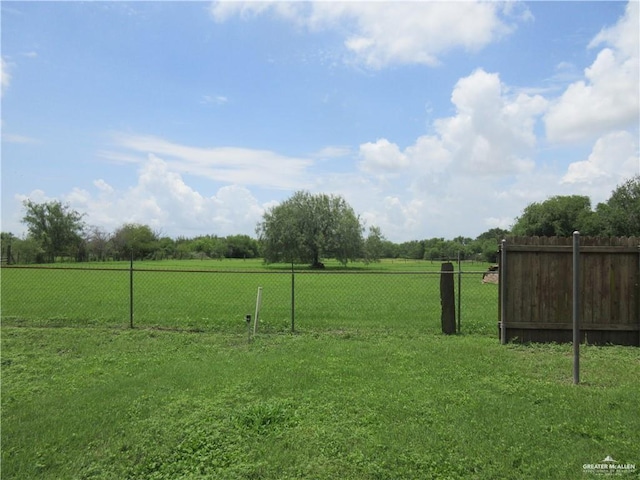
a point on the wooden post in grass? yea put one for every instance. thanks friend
(447, 299)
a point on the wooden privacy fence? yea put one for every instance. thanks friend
(536, 290)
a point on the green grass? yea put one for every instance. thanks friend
(218, 299)
(106, 403)
(366, 389)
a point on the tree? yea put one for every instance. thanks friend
(308, 228)
(373, 245)
(557, 216)
(27, 250)
(6, 239)
(413, 249)
(620, 215)
(55, 226)
(97, 240)
(487, 243)
(136, 239)
(166, 248)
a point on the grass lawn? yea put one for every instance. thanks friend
(216, 295)
(106, 403)
(367, 387)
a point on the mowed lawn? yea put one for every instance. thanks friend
(382, 395)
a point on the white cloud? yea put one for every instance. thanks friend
(103, 186)
(164, 201)
(333, 151)
(37, 196)
(608, 97)
(614, 158)
(214, 100)
(491, 133)
(233, 165)
(382, 156)
(379, 34)
(15, 138)
(473, 172)
(5, 76)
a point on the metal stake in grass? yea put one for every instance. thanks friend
(248, 320)
(258, 305)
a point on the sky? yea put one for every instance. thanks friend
(432, 119)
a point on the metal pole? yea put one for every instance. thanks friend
(459, 291)
(503, 290)
(576, 307)
(131, 291)
(293, 299)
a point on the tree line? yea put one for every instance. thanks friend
(308, 228)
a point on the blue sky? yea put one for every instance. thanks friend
(433, 119)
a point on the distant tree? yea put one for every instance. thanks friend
(461, 246)
(389, 249)
(434, 249)
(136, 239)
(413, 249)
(620, 215)
(55, 226)
(373, 245)
(241, 246)
(182, 248)
(486, 244)
(308, 228)
(6, 239)
(166, 248)
(27, 250)
(493, 234)
(558, 216)
(97, 242)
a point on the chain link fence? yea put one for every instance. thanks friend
(216, 300)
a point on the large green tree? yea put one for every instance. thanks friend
(134, 239)
(55, 226)
(620, 215)
(307, 228)
(557, 216)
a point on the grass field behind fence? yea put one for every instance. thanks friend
(216, 295)
(366, 389)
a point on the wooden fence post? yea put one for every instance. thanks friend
(447, 299)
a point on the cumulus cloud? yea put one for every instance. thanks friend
(492, 133)
(379, 34)
(607, 98)
(614, 158)
(456, 178)
(163, 200)
(382, 155)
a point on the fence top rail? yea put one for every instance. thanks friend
(569, 248)
(633, 242)
(248, 271)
